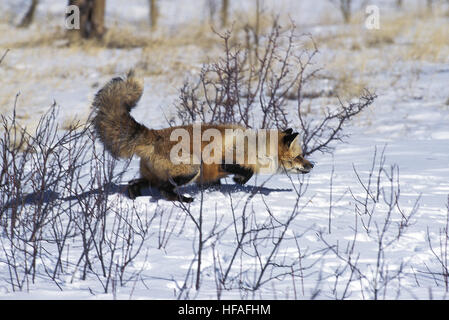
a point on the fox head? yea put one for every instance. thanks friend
(291, 157)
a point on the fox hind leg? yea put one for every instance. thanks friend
(167, 184)
(167, 190)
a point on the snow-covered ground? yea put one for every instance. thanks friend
(331, 248)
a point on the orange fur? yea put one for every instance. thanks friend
(123, 137)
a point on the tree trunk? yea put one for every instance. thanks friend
(28, 18)
(154, 13)
(98, 12)
(345, 7)
(224, 13)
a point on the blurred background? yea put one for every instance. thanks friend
(168, 41)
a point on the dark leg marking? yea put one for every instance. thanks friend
(135, 186)
(171, 195)
(168, 190)
(183, 179)
(241, 179)
(242, 174)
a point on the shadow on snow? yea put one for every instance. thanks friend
(113, 188)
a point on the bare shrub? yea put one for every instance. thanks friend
(257, 86)
(250, 249)
(55, 189)
(379, 217)
(440, 253)
(233, 91)
(318, 135)
(218, 105)
(34, 168)
(4, 55)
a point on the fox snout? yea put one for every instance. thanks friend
(297, 165)
(307, 165)
(291, 155)
(303, 165)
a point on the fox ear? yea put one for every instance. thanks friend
(289, 138)
(295, 146)
(288, 131)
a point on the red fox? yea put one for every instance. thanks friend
(124, 137)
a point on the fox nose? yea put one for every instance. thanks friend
(309, 166)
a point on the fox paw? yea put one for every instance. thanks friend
(134, 191)
(240, 179)
(186, 199)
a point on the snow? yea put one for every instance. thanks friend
(409, 121)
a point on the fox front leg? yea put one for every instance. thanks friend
(241, 174)
(241, 179)
(170, 194)
(135, 187)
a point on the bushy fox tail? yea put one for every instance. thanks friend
(118, 131)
